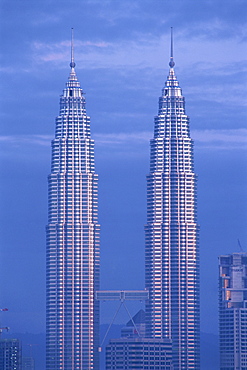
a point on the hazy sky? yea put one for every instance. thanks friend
(122, 54)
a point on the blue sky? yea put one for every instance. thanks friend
(122, 55)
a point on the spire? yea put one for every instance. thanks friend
(72, 77)
(171, 81)
(72, 63)
(171, 63)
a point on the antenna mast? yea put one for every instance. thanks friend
(72, 63)
(172, 63)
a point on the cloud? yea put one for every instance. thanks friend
(228, 92)
(60, 51)
(20, 140)
(123, 138)
(230, 136)
(196, 57)
(206, 40)
(45, 18)
(221, 139)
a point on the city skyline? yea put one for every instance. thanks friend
(122, 111)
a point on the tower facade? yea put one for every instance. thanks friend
(139, 353)
(233, 311)
(171, 232)
(72, 238)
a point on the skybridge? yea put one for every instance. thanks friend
(122, 295)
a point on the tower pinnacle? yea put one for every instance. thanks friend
(171, 63)
(72, 63)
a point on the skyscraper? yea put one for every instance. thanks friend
(233, 311)
(10, 354)
(28, 363)
(72, 238)
(172, 260)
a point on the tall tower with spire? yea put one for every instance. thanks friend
(72, 238)
(172, 259)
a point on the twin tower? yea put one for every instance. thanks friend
(171, 235)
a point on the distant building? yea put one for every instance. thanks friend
(10, 354)
(233, 311)
(136, 327)
(139, 353)
(28, 363)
